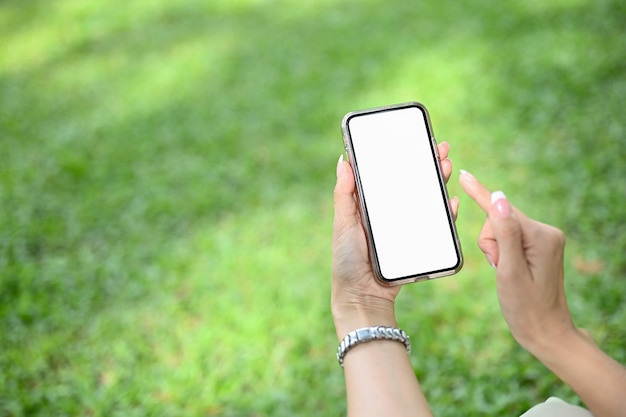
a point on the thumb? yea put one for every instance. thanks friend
(346, 211)
(508, 233)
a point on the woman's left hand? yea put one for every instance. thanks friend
(358, 299)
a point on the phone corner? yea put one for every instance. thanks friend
(346, 119)
(460, 263)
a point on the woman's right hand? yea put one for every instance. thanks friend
(528, 257)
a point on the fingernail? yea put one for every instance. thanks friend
(467, 174)
(454, 207)
(502, 207)
(497, 195)
(490, 261)
(339, 166)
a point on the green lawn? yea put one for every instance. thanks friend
(166, 175)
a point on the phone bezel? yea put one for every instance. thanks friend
(348, 145)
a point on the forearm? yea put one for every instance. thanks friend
(599, 380)
(380, 381)
(379, 377)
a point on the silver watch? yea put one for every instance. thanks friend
(367, 334)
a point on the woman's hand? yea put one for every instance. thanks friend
(528, 257)
(358, 299)
(379, 377)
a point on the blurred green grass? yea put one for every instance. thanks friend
(166, 171)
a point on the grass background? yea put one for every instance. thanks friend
(166, 175)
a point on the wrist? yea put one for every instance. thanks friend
(369, 334)
(551, 347)
(364, 311)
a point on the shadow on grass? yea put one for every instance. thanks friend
(130, 134)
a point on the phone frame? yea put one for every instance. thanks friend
(348, 145)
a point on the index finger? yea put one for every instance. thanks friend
(482, 196)
(476, 190)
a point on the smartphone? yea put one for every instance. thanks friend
(402, 194)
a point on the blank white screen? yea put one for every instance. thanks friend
(403, 197)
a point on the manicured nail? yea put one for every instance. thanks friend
(490, 261)
(454, 204)
(467, 174)
(339, 166)
(500, 204)
(497, 195)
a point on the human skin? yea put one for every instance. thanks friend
(379, 377)
(528, 258)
